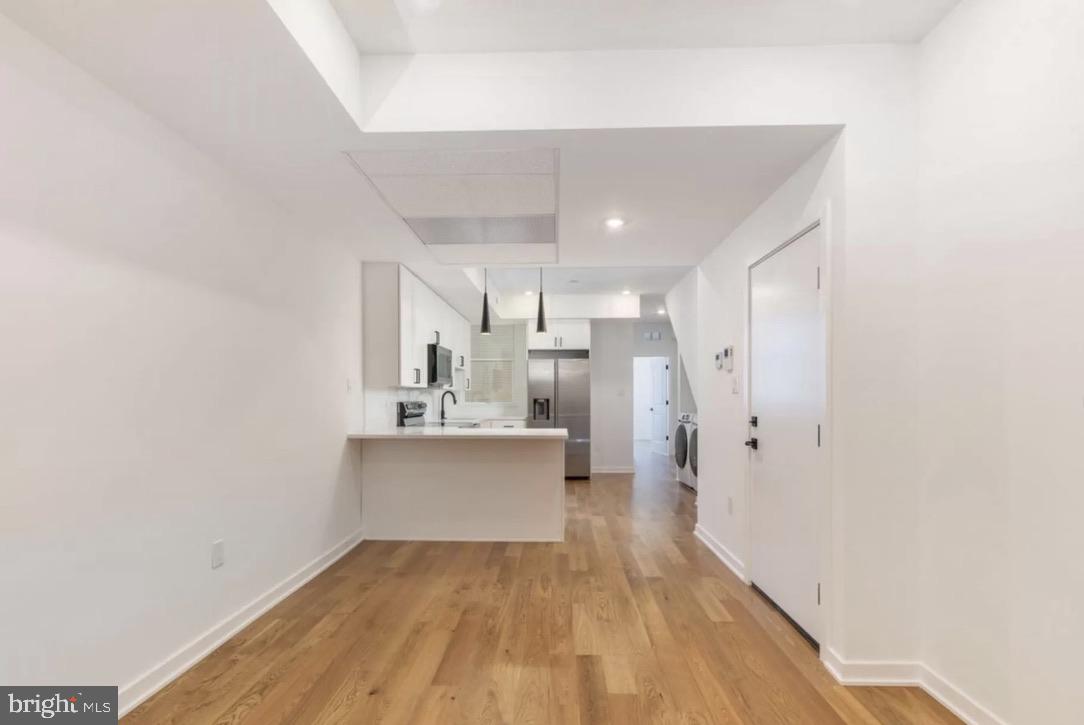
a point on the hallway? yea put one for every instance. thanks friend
(630, 620)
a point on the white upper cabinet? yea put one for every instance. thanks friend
(574, 334)
(561, 335)
(397, 347)
(413, 331)
(460, 345)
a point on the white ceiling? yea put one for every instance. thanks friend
(587, 280)
(680, 190)
(478, 26)
(253, 102)
(463, 182)
(468, 195)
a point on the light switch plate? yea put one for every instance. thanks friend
(218, 554)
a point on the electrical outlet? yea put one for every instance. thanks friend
(218, 554)
(735, 385)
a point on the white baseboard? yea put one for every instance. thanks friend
(876, 673)
(910, 674)
(871, 673)
(725, 555)
(612, 469)
(952, 697)
(150, 682)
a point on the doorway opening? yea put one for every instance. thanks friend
(651, 404)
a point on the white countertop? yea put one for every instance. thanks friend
(436, 431)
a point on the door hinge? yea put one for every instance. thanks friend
(818, 435)
(818, 594)
(667, 437)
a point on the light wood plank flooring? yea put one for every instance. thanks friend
(630, 620)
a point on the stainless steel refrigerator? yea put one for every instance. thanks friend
(559, 396)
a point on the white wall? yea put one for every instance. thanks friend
(175, 367)
(611, 395)
(642, 397)
(681, 304)
(686, 401)
(1001, 353)
(723, 293)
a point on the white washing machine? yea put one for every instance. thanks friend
(685, 450)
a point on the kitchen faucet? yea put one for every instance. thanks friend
(442, 397)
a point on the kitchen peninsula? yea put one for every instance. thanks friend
(434, 483)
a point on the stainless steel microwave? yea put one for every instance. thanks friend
(440, 366)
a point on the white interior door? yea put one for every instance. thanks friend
(787, 397)
(660, 412)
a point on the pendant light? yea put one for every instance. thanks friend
(541, 327)
(485, 304)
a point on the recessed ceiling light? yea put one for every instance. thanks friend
(626, 292)
(529, 292)
(661, 310)
(615, 222)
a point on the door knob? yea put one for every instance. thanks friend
(752, 443)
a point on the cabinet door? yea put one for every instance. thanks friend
(463, 353)
(412, 353)
(453, 338)
(542, 340)
(573, 334)
(408, 370)
(426, 327)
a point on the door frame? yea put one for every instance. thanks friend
(825, 517)
(671, 395)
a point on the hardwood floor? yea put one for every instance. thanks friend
(630, 620)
